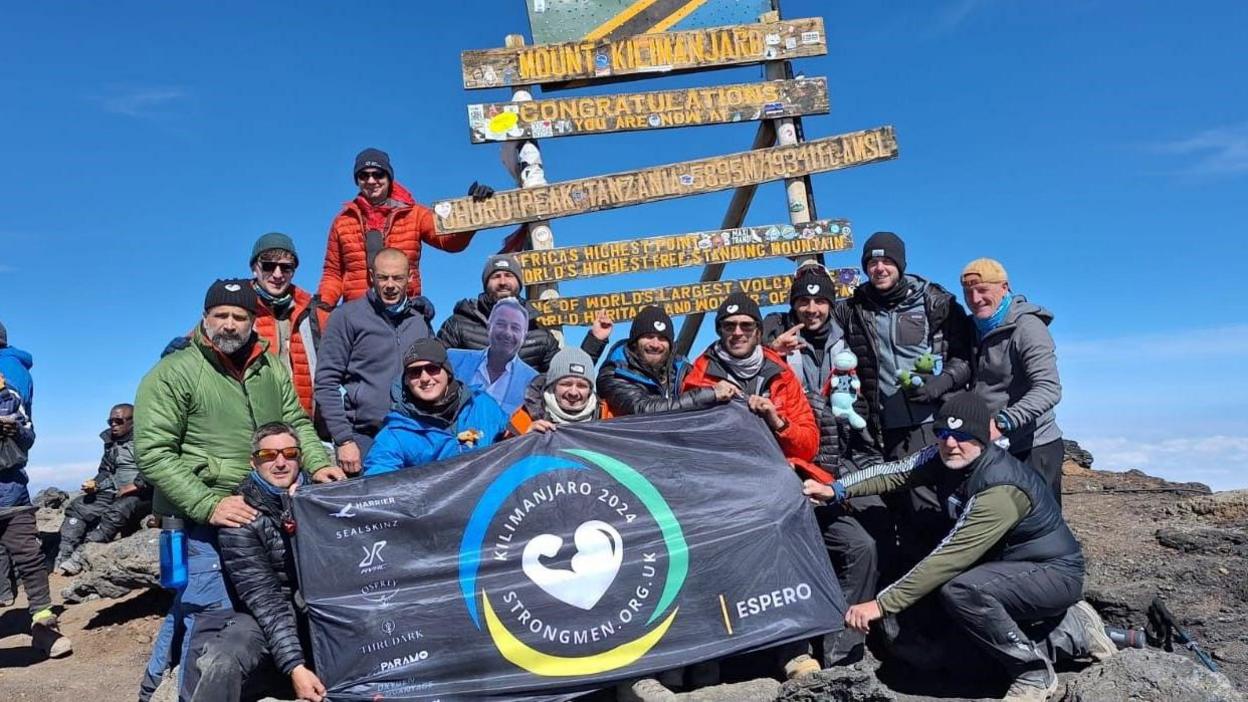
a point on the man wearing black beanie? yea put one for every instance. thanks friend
(1007, 560)
(896, 324)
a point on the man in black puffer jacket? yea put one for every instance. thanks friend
(468, 325)
(264, 635)
(643, 375)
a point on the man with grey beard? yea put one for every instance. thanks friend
(194, 415)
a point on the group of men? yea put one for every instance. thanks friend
(235, 416)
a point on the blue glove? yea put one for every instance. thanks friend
(841, 493)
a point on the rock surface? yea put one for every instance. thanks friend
(1150, 675)
(115, 569)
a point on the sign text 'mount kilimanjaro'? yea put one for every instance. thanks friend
(644, 53)
(676, 299)
(682, 250)
(720, 104)
(665, 182)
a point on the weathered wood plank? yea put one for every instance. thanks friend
(665, 182)
(568, 20)
(661, 52)
(606, 114)
(684, 250)
(677, 300)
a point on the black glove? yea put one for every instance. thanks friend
(932, 389)
(479, 192)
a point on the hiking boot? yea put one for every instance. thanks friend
(70, 565)
(1100, 646)
(45, 636)
(1033, 685)
(801, 666)
(644, 690)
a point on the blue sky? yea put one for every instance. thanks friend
(1098, 149)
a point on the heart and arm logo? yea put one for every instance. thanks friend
(954, 423)
(599, 554)
(660, 326)
(812, 289)
(732, 309)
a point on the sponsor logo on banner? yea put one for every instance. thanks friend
(407, 660)
(391, 637)
(370, 528)
(349, 510)
(584, 605)
(380, 591)
(373, 560)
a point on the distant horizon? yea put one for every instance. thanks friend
(152, 144)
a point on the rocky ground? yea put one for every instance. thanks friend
(1142, 537)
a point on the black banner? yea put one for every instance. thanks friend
(562, 561)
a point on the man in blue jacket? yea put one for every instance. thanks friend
(15, 366)
(497, 370)
(359, 356)
(435, 416)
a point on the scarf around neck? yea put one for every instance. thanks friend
(740, 369)
(558, 415)
(443, 411)
(280, 305)
(984, 326)
(890, 297)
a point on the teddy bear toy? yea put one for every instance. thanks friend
(843, 387)
(925, 365)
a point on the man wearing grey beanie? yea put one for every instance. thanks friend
(566, 394)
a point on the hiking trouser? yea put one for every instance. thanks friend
(851, 537)
(1047, 460)
(921, 519)
(991, 603)
(117, 517)
(19, 535)
(8, 586)
(83, 513)
(233, 659)
(205, 592)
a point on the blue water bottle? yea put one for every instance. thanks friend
(173, 569)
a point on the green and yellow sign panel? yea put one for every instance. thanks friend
(572, 20)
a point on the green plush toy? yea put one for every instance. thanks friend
(927, 364)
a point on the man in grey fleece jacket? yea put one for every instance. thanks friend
(361, 353)
(1014, 368)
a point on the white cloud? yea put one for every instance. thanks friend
(1220, 461)
(142, 102)
(1218, 151)
(66, 476)
(1187, 344)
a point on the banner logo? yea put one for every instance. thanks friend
(562, 609)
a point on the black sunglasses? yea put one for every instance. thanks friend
(270, 266)
(747, 326)
(364, 176)
(114, 422)
(429, 369)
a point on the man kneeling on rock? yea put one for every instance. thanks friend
(1009, 561)
(264, 635)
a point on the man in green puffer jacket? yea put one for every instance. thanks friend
(194, 416)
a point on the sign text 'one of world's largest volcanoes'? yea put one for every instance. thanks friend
(665, 182)
(640, 54)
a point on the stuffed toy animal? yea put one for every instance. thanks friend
(925, 365)
(843, 386)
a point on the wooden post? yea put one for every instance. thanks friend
(529, 172)
(783, 131)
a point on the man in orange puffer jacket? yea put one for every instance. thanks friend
(284, 315)
(383, 215)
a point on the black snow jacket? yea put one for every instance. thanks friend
(260, 564)
(466, 328)
(629, 387)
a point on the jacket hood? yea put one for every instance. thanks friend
(398, 194)
(626, 365)
(22, 357)
(401, 415)
(107, 437)
(1019, 306)
(255, 495)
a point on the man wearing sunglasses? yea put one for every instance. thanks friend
(383, 215)
(435, 415)
(114, 498)
(361, 354)
(194, 415)
(759, 374)
(284, 311)
(267, 633)
(1007, 562)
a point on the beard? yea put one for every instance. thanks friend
(229, 342)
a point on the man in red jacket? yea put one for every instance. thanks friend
(284, 313)
(769, 386)
(383, 215)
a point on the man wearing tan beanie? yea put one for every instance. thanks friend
(1014, 367)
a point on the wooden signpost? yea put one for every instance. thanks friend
(574, 116)
(691, 298)
(567, 20)
(662, 52)
(665, 182)
(683, 250)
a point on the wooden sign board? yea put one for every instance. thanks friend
(570, 20)
(684, 250)
(677, 299)
(665, 182)
(663, 52)
(721, 104)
